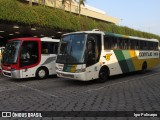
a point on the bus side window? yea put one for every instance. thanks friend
(126, 44)
(137, 46)
(44, 49)
(132, 44)
(93, 49)
(55, 48)
(155, 45)
(145, 45)
(110, 43)
(49, 48)
(114, 43)
(90, 51)
(98, 47)
(129, 44)
(120, 43)
(107, 42)
(141, 45)
(149, 45)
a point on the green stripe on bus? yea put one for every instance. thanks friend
(121, 60)
(112, 34)
(129, 60)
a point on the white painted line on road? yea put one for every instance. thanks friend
(37, 90)
(121, 82)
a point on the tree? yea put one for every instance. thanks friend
(70, 3)
(81, 2)
(55, 3)
(30, 2)
(63, 3)
(39, 2)
(42, 2)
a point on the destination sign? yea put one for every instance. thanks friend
(147, 54)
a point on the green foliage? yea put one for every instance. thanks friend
(15, 11)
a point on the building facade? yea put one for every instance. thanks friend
(86, 10)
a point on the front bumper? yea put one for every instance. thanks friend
(76, 76)
(12, 74)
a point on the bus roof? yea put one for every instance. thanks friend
(115, 35)
(26, 38)
(50, 39)
(130, 37)
(37, 39)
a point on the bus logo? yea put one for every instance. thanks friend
(108, 56)
(6, 114)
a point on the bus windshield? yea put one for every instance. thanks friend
(10, 53)
(72, 49)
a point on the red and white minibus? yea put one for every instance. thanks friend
(30, 57)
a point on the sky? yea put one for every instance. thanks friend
(143, 15)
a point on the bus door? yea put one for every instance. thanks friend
(93, 50)
(29, 58)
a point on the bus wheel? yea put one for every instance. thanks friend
(103, 74)
(41, 73)
(144, 68)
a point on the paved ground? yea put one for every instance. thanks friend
(132, 92)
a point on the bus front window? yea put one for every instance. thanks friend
(72, 49)
(10, 53)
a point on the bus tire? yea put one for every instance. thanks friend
(103, 74)
(144, 68)
(42, 73)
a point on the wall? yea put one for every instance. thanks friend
(85, 10)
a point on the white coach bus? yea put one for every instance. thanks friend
(30, 57)
(89, 55)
